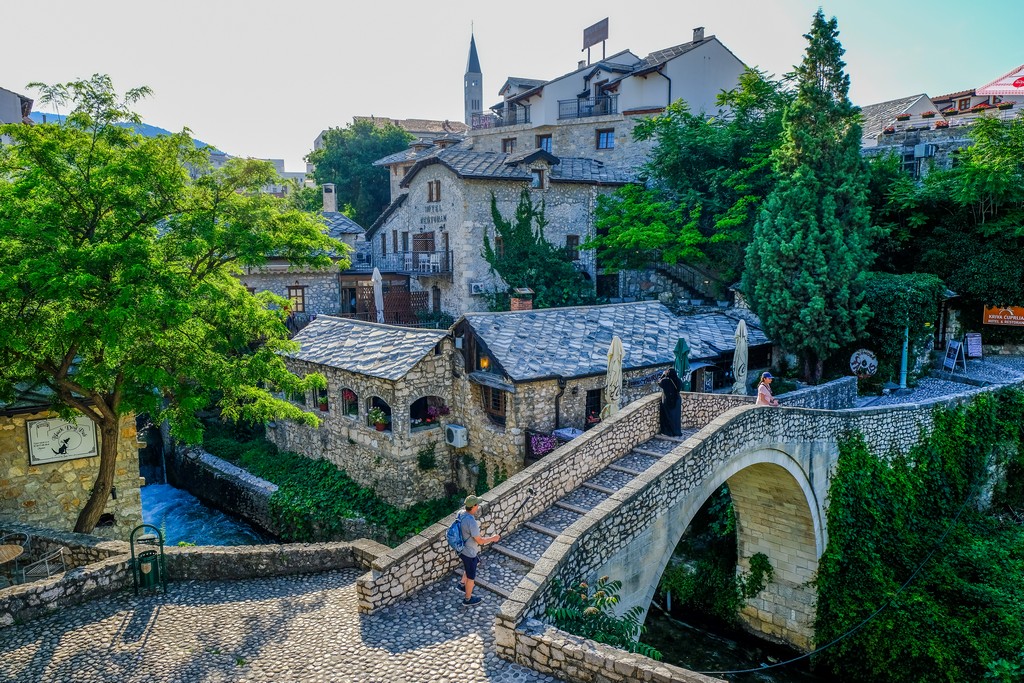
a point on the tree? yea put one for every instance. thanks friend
(117, 275)
(526, 259)
(706, 179)
(810, 251)
(346, 159)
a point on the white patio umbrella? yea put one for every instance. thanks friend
(378, 294)
(612, 395)
(739, 360)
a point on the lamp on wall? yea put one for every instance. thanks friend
(485, 362)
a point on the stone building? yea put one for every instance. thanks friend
(311, 292)
(48, 467)
(508, 379)
(434, 231)
(14, 108)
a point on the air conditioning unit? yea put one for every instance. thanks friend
(456, 436)
(477, 288)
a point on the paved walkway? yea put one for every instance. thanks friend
(290, 629)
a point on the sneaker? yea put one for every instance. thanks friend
(459, 587)
(475, 600)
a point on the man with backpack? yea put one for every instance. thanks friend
(467, 530)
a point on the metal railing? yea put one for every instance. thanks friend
(411, 262)
(588, 106)
(513, 117)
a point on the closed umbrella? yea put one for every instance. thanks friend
(378, 294)
(682, 363)
(613, 384)
(739, 360)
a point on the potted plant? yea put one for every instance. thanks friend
(378, 419)
(349, 399)
(981, 106)
(941, 124)
(1005, 105)
(888, 130)
(902, 117)
(929, 114)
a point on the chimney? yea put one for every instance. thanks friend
(582, 63)
(330, 199)
(698, 34)
(522, 299)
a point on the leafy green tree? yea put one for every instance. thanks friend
(346, 159)
(810, 251)
(526, 259)
(117, 275)
(706, 178)
(589, 611)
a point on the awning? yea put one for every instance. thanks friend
(697, 365)
(489, 379)
(1010, 85)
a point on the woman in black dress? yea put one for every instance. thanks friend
(670, 386)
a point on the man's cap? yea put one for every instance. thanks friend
(766, 375)
(471, 501)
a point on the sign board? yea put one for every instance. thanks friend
(55, 440)
(592, 35)
(954, 353)
(863, 363)
(709, 381)
(1010, 315)
(972, 340)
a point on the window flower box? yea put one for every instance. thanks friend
(928, 114)
(980, 107)
(941, 124)
(902, 117)
(1004, 105)
(888, 130)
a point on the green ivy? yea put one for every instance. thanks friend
(961, 618)
(314, 497)
(426, 458)
(589, 611)
(481, 480)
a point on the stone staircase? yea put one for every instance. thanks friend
(507, 562)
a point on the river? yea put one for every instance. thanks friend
(183, 518)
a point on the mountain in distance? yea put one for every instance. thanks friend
(141, 128)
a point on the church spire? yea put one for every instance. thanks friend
(474, 83)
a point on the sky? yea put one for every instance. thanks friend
(262, 79)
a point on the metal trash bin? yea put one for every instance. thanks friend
(149, 569)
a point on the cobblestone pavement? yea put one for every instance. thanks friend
(995, 369)
(285, 629)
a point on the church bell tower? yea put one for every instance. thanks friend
(474, 85)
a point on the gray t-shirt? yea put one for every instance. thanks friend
(470, 530)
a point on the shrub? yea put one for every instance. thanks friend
(590, 612)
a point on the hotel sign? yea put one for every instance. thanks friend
(592, 35)
(55, 440)
(1010, 315)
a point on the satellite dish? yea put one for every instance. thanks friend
(863, 363)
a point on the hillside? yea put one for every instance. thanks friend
(142, 128)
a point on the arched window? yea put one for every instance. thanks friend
(426, 413)
(349, 403)
(378, 414)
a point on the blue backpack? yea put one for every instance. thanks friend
(454, 535)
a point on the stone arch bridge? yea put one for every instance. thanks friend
(616, 501)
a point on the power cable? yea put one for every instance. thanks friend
(859, 626)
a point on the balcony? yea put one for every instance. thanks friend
(513, 117)
(581, 108)
(406, 262)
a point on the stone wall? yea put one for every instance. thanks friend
(426, 557)
(385, 461)
(53, 494)
(233, 489)
(108, 569)
(322, 293)
(838, 394)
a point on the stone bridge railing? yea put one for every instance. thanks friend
(587, 545)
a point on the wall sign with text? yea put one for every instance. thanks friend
(1010, 315)
(55, 440)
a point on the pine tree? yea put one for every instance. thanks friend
(810, 253)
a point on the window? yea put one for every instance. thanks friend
(494, 404)
(508, 145)
(297, 397)
(433, 190)
(435, 298)
(572, 247)
(322, 400)
(965, 103)
(378, 414)
(405, 241)
(394, 241)
(538, 179)
(544, 143)
(593, 408)
(606, 138)
(426, 413)
(499, 246)
(297, 297)
(349, 403)
(384, 245)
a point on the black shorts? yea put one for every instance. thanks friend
(470, 564)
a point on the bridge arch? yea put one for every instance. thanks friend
(779, 513)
